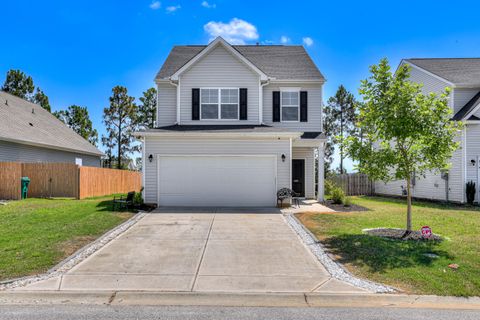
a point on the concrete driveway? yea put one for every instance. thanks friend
(210, 251)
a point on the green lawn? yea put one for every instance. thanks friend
(403, 264)
(35, 234)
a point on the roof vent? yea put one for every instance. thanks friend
(31, 124)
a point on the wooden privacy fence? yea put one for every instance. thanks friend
(355, 184)
(65, 180)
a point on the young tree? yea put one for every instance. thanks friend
(120, 119)
(148, 108)
(77, 118)
(405, 133)
(341, 118)
(19, 84)
(330, 130)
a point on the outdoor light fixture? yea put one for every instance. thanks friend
(150, 158)
(473, 162)
(283, 157)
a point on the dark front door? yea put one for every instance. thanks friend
(298, 177)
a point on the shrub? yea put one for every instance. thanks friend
(470, 190)
(329, 185)
(347, 202)
(337, 195)
(138, 199)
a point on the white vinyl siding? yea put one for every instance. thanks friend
(219, 69)
(308, 154)
(314, 106)
(198, 146)
(166, 104)
(473, 153)
(25, 153)
(461, 96)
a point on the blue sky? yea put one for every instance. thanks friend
(76, 51)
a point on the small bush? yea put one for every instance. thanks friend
(347, 202)
(470, 190)
(337, 195)
(329, 185)
(138, 199)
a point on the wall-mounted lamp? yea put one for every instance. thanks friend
(283, 157)
(472, 162)
(150, 158)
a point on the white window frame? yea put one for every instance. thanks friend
(219, 104)
(282, 90)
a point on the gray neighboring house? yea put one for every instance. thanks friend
(462, 75)
(29, 133)
(235, 123)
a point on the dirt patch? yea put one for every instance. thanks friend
(69, 247)
(343, 208)
(397, 234)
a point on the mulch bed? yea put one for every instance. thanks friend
(342, 208)
(398, 233)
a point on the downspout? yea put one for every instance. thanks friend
(177, 85)
(260, 95)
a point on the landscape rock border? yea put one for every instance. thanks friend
(71, 261)
(336, 270)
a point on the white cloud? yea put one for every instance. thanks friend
(307, 41)
(237, 31)
(155, 5)
(284, 39)
(172, 9)
(208, 5)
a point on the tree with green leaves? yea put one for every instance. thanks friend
(340, 118)
(330, 131)
(21, 85)
(148, 108)
(405, 133)
(120, 119)
(77, 118)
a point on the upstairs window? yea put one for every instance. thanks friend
(219, 103)
(290, 103)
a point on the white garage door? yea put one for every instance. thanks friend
(216, 180)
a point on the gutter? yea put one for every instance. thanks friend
(219, 134)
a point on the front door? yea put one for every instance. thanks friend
(298, 176)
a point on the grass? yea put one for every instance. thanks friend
(403, 264)
(35, 234)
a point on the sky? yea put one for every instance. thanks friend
(77, 51)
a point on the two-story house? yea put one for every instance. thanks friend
(462, 75)
(235, 123)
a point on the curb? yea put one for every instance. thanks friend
(142, 298)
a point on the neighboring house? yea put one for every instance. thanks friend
(234, 125)
(29, 133)
(462, 75)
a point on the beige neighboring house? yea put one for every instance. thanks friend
(235, 123)
(462, 75)
(29, 133)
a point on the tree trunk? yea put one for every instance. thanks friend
(341, 139)
(119, 149)
(409, 207)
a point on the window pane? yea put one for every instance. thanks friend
(209, 95)
(209, 111)
(289, 113)
(289, 98)
(229, 95)
(229, 111)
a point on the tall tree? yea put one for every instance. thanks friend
(330, 130)
(340, 119)
(120, 119)
(41, 98)
(19, 84)
(22, 86)
(77, 118)
(405, 133)
(148, 108)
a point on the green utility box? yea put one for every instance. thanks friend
(25, 183)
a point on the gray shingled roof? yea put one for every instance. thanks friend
(40, 128)
(459, 71)
(280, 62)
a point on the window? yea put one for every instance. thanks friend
(78, 161)
(290, 102)
(219, 104)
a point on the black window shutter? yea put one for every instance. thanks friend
(195, 104)
(276, 106)
(303, 106)
(243, 104)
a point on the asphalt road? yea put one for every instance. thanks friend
(94, 312)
